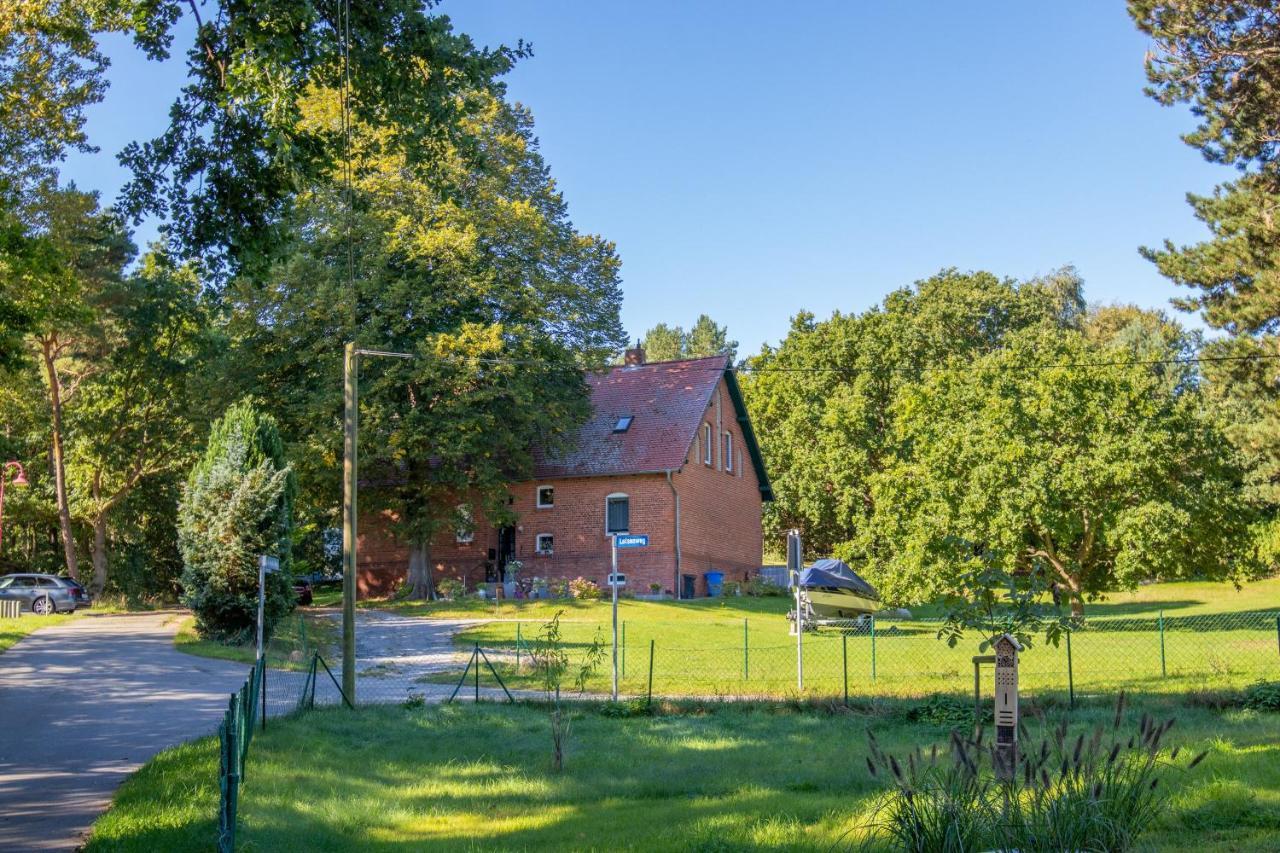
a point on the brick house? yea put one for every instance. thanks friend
(668, 452)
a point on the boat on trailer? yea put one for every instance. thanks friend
(831, 592)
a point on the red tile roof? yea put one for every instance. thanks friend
(667, 401)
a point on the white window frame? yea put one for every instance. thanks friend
(537, 496)
(537, 544)
(614, 496)
(465, 537)
(708, 453)
(728, 451)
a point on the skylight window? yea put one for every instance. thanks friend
(623, 424)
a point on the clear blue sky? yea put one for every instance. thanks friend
(751, 159)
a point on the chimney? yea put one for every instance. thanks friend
(634, 357)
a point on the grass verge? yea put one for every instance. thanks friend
(711, 777)
(296, 637)
(13, 630)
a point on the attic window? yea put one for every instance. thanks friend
(623, 424)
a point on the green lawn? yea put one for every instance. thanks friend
(299, 635)
(13, 630)
(1213, 636)
(718, 777)
(1181, 598)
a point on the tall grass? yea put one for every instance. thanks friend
(1098, 791)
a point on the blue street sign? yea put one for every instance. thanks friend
(636, 540)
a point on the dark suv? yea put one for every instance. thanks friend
(44, 594)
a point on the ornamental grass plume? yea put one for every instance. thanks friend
(1097, 791)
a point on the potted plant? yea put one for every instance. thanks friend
(655, 588)
(510, 574)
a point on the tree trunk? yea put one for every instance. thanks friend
(59, 464)
(99, 555)
(420, 581)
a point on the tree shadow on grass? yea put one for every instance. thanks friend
(1107, 609)
(479, 777)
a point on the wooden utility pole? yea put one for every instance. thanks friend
(350, 423)
(350, 453)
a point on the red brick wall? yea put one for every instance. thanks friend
(720, 510)
(720, 526)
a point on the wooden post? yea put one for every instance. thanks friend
(1164, 672)
(649, 698)
(350, 417)
(1071, 678)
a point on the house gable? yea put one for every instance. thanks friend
(665, 402)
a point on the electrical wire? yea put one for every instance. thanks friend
(918, 368)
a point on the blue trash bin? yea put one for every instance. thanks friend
(715, 583)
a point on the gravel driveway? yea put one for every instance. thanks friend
(83, 705)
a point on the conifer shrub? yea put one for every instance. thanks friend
(236, 506)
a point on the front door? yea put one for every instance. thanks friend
(506, 549)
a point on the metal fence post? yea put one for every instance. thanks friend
(844, 659)
(873, 647)
(1278, 633)
(517, 647)
(623, 650)
(1071, 679)
(745, 652)
(649, 699)
(977, 696)
(1163, 671)
(476, 657)
(263, 688)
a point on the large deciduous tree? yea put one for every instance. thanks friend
(138, 414)
(238, 152)
(1093, 461)
(823, 402)
(50, 71)
(481, 274)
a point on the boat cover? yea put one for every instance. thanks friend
(832, 573)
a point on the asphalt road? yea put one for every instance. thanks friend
(83, 705)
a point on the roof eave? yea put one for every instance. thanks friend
(748, 434)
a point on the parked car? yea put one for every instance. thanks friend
(302, 589)
(44, 594)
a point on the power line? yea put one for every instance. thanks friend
(915, 368)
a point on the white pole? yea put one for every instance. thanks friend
(795, 579)
(795, 562)
(614, 577)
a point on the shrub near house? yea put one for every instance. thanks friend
(668, 451)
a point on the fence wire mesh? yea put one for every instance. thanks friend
(417, 659)
(901, 657)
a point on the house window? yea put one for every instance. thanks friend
(706, 444)
(545, 544)
(728, 451)
(623, 423)
(466, 530)
(546, 497)
(617, 514)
